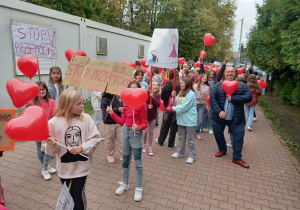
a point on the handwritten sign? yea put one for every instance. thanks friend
(32, 40)
(98, 75)
(6, 144)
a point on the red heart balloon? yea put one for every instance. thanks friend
(21, 92)
(162, 106)
(240, 70)
(161, 69)
(144, 70)
(262, 84)
(197, 64)
(207, 100)
(125, 63)
(32, 125)
(132, 64)
(180, 60)
(69, 53)
(209, 39)
(205, 66)
(134, 97)
(217, 69)
(230, 86)
(28, 65)
(143, 63)
(203, 54)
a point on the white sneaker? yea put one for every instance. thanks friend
(210, 131)
(201, 130)
(176, 155)
(138, 195)
(123, 187)
(172, 147)
(46, 175)
(190, 160)
(229, 144)
(250, 128)
(51, 170)
(254, 119)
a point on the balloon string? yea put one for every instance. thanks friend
(226, 103)
(68, 149)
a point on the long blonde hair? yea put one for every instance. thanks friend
(64, 106)
(60, 80)
(253, 85)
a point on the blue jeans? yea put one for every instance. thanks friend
(200, 116)
(237, 133)
(43, 157)
(207, 119)
(132, 144)
(250, 114)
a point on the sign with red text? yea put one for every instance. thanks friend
(98, 75)
(34, 40)
(6, 144)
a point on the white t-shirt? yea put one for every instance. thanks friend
(57, 93)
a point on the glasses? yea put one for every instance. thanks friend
(42, 90)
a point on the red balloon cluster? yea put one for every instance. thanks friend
(262, 84)
(32, 125)
(69, 53)
(28, 65)
(230, 87)
(134, 97)
(143, 63)
(197, 64)
(144, 70)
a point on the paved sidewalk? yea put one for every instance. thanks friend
(272, 182)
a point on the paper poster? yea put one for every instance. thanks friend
(65, 200)
(33, 40)
(98, 75)
(6, 144)
(163, 50)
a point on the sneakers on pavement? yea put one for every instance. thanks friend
(220, 154)
(172, 147)
(122, 188)
(156, 140)
(201, 130)
(190, 160)
(121, 158)
(250, 128)
(198, 137)
(254, 119)
(241, 163)
(51, 170)
(110, 159)
(229, 144)
(176, 155)
(210, 131)
(46, 175)
(150, 151)
(138, 195)
(144, 148)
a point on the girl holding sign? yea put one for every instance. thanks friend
(77, 131)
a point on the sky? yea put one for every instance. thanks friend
(245, 9)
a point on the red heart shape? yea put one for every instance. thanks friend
(207, 99)
(161, 69)
(144, 70)
(28, 65)
(197, 64)
(134, 97)
(230, 86)
(180, 60)
(162, 106)
(69, 53)
(143, 63)
(203, 54)
(132, 64)
(262, 84)
(21, 92)
(209, 39)
(125, 63)
(240, 70)
(217, 69)
(32, 125)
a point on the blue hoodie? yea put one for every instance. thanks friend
(186, 110)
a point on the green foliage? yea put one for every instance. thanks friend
(296, 95)
(193, 18)
(88, 108)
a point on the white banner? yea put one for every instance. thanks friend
(65, 200)
(32, 40)
(163, 50)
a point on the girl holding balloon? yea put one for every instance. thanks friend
(44, 100)
(55, 83)
(135, 120)
(250, 107)
(151, 116)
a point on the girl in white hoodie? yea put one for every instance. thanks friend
(77, 131)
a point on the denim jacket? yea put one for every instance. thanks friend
(52, 90)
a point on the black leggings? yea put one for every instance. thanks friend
(77, 191)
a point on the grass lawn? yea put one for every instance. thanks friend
(88, 108)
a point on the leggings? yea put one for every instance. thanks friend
(149, 130)
(77, 191)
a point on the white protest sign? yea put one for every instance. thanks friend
(65, 200)
(163, 50)
(34, 40)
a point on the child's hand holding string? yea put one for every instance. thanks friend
(51, 141)
(75, 150)
(150, 106)
(135, 127)
(173, 93)
(109, 110)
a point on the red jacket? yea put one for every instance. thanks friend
(254, 99)
(140, 116)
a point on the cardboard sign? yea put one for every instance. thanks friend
(97, 75)
(65, 200)
(34, 40)
(163, 50)
(6, 144)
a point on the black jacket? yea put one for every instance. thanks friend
(240, 96)
(167, 91)
(106, 101)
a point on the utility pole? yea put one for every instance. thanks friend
(241, 38)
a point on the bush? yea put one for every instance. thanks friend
(284, 89)
(296, 95)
